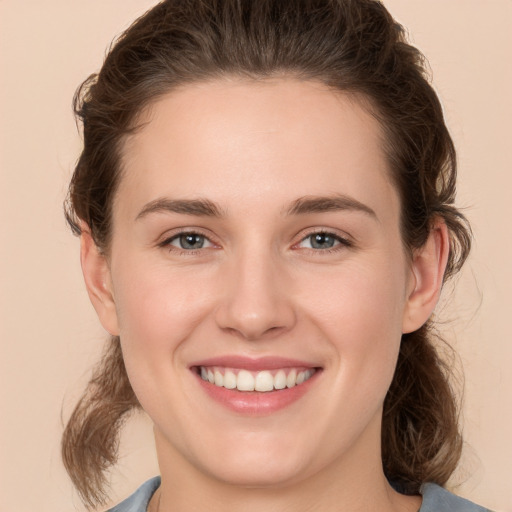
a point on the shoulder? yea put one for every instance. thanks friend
(138, 501)
(437, 499)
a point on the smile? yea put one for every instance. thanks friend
(260, 381)
(256, 387)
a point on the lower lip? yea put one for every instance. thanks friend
(256, 403)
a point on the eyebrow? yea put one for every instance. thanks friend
(197, 207)
(301, 206)
(320, 204)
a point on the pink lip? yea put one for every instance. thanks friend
(258, 364)
(253, 403)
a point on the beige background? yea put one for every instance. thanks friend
(49, 334)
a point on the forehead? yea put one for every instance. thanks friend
(244, 139)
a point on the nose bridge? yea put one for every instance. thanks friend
(255, 301)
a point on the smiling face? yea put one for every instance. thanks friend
(256, 244)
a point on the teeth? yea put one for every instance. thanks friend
(219, 378)
(245, 381)
(229, 380)
(263, 381)
(280, 380)
(291, 380)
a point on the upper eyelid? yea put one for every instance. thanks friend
(167, 243)
(195, 233)
(168, 236)
(327, 233)
(342, 242)
(342, 236)
(339, 235)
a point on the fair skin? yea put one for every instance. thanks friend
(293, 259)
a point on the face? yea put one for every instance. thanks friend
(259, 279)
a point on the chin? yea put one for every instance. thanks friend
(253, 459)
(260, 473)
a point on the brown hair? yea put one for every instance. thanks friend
(350, 45)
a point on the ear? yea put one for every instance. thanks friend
(98, 281)
(427, 271)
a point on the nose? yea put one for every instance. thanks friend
(256, 301)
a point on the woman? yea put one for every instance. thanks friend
(265, 204)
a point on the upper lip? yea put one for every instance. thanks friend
(254, 364)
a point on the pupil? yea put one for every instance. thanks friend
(322, 241)
(191, 241)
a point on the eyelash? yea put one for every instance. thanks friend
(167, 243)
(340, 242)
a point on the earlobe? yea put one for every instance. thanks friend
(427, 268)
(98, 281)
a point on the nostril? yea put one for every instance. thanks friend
(256, 334)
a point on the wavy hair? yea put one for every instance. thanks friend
(353, 46)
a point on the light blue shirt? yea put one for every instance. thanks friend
(435, 499)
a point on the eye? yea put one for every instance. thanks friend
(322, 241)
(188, 241)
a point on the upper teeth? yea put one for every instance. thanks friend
(265, 380)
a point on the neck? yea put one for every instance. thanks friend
(356, 483)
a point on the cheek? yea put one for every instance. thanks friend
(359, 311)
(158, 306)
(158, 310)
(358, 299)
